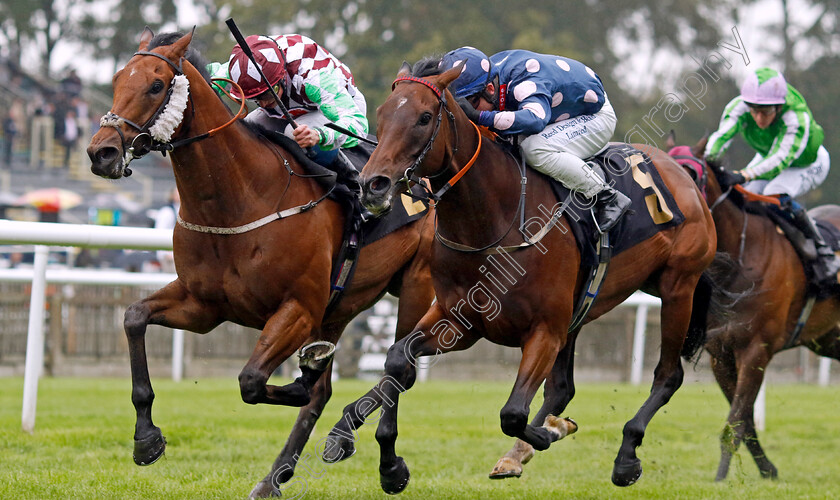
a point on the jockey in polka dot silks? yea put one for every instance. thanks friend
(557, 105)
(774, 119)
(313, 84)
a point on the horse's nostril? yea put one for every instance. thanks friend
(379, 185)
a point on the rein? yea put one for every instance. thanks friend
(410, 176)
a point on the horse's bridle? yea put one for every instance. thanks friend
(410, 176)
(113, 120)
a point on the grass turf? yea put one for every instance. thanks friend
(219, 447)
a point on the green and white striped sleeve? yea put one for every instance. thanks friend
(786, 148)
(219, 70)
(330, 94)
(730, 124)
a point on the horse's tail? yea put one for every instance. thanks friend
(712, 301)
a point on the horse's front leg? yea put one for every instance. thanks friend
(433, 335)
(174, 307)
(284, 333)
(559, 391)
(677, 297)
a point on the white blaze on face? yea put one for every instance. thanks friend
(402, 102)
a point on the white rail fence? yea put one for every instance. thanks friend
(49, 234)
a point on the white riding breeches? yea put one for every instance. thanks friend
(559, 150)
(793, 181)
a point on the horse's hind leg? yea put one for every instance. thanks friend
(559, 391)
(173, 307)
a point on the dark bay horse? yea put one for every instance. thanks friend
(489, 284)
(763, 323)
(275, 277)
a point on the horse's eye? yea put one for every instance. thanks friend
(157, 86)
(424, 119)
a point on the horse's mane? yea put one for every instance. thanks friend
(193, 55)
(427, 66)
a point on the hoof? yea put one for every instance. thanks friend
(394, 479)
(316, 355)
(148, 450)
(625, 475)
(560, 427)
(263, 489)
(771, 473)
(337, 449)
(506, 467)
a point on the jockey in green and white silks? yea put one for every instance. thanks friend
(774, 119)
(792, 139)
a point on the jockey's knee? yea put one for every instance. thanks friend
(252, 386)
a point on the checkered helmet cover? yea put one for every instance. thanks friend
(242, 70)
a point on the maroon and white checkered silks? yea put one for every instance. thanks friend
(301, 54)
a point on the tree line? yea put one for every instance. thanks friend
(657, 59)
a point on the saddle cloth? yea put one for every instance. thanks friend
(653, 207)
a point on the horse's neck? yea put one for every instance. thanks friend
(733, 224)
(229, 174)
(487, 196)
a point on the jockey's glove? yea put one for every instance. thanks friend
(728, 178)
(468, 109)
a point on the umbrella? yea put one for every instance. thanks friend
(51, 199)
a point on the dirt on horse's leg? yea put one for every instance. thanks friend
(740, 423)
(726, 374)
(284, 333)
(170, 306)
(284, 466)
(668, 375)
(559, 390)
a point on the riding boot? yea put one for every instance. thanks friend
(609, 208)
(827, 264)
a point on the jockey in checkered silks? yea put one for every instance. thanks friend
(312, 83)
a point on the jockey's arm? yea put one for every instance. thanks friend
(532, 117)
(729, 126)
(333, 99)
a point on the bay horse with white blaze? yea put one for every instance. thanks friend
(422, 132)
(766, 318)
(273, 275)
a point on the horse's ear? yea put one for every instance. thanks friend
(179, 48)
(405, 70)
(700, 148)
(451, 75)
(145, 38)
(670, 140)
